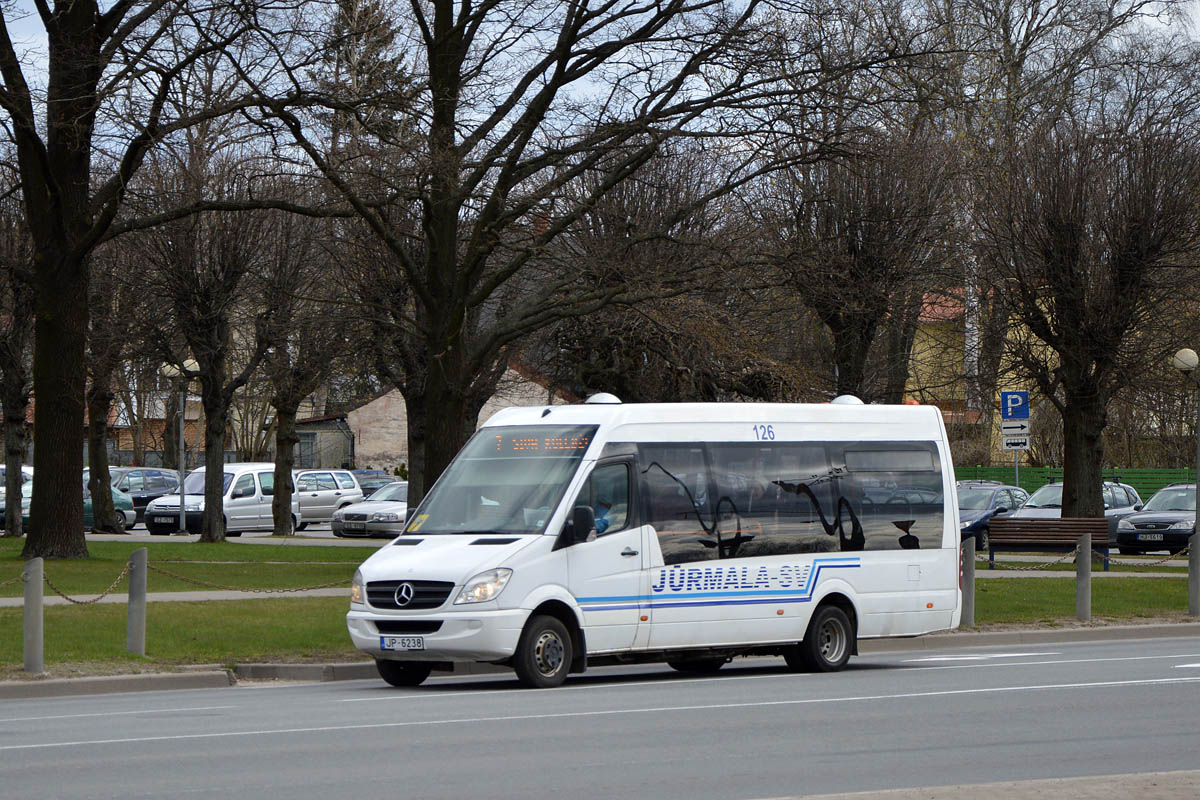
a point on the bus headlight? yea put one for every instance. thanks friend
(356, 588)
(484, 586)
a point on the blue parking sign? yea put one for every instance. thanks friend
(1014, 405)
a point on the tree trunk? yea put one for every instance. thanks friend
(60, 330)
(213, 399)
(851, 346)
(99, 402)
(1083, 449)
(286, 439)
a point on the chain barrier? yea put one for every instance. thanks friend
(1169, 557)
(96, 599)
(198, 582)
(17, 579)
(1044, 565)
(1096, 557)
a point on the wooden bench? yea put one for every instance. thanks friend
(1045, 535)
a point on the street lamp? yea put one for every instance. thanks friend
(1186, 361)
(173, 371)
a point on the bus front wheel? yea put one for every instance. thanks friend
(543, 654)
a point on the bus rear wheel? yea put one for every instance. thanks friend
(827, 642)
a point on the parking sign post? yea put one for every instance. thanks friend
(1014, 427)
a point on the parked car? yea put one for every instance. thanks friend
(323, 491)
(247, 491)
(381, 515)
(1166, 522)
(979, 501)
(26, 477)
(142, 484)
(1120, 500)
(369, 480)
(122, 504)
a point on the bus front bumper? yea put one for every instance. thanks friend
(462, 636)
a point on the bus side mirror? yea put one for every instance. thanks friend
(581, 524)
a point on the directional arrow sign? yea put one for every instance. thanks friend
(1015, 427)
(1015, 443)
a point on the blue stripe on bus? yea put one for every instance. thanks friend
(802, 595)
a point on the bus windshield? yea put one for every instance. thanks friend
(505, 480)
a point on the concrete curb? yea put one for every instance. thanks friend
(107, 684)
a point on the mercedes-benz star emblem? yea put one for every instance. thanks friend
(404, 594)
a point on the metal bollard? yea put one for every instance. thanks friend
(1194, 575)
(33, 577)
(1083, 578)
(135, 629)
(968, 584)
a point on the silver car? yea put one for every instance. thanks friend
(321, 492)
(381, 515)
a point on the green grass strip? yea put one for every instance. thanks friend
(76, 638)
(198, 566)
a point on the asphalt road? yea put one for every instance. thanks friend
(890, 721)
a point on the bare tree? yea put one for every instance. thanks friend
(861, 245)
(112, 68)
(312, 329)
(1090, 230)
(202, 268)
(512, 104)
(115, 302)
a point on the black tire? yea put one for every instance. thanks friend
(697, 665)
(233, 535)
(1128, 551)
(302, 526)
(544, 653)
(119, 524)
(981, 539)
(403, 673)
(827, 642)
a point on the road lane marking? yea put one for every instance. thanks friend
(1060, 661)
(118, 713)
(606, 713)
(977, 657)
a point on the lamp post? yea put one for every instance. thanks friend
(1186, 361)
(172, 371)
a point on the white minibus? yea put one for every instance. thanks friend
(563, 537)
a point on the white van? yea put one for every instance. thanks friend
(248, 489)
(569, 536)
